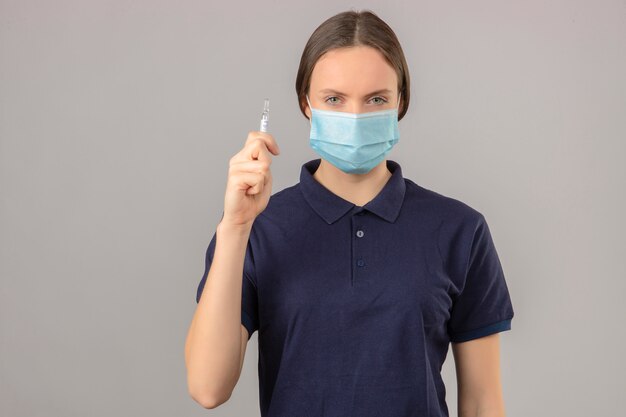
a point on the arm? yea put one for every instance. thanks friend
(216, 340)
(479, 388)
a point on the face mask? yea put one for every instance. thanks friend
(353, 142)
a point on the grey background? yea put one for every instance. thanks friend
(117, 121)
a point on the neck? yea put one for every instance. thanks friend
(359, 189)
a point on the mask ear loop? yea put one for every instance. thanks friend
(310, 108)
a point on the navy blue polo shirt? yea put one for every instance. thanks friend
(355, 306)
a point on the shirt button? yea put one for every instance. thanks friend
(360, 262)
(359, 233)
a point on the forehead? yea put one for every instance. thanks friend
(353, 70)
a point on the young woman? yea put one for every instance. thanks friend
(356, 278)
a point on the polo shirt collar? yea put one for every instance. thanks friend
(331, 207)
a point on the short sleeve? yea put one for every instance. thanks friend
(249, 301)
(483, 306)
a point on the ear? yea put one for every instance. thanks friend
(306, 108)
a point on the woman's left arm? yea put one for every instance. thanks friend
(479, 389)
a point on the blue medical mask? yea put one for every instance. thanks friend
(353, 142)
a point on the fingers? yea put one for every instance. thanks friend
(250, 167)
(266, 138)
(258, 146)
(251, 175)
(252, 182)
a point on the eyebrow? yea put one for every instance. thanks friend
(330, 90)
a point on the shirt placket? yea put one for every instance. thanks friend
(359, 236)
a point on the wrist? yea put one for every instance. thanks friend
(234, 229)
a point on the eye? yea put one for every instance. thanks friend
(380, 102)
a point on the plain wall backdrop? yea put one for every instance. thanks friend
(117, 121)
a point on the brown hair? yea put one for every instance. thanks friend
(353, 28)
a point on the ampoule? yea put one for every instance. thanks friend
(265, 117)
